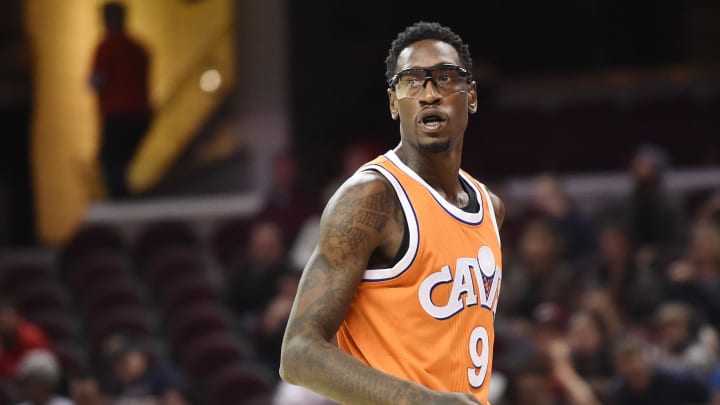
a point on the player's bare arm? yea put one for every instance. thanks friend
(363, 216)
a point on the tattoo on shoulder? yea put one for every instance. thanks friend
(354, 217)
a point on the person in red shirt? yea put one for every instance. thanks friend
(17, 337)
(120, 75)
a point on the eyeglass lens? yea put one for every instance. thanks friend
(447, 80)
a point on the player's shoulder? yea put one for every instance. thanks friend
(364, 203)
(362, 185)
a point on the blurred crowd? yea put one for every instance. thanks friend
(619, 304)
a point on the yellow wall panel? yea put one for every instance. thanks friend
(183, 37)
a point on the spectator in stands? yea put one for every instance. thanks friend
(600, 302)
(655, 217)
(538, 274)
(710, 208)
(695, 279)
(38, 376)
(85, 390)
(529, 385)
(589, 345)
(272, 323)
(137, 378)
(616, 270)
(715, 388)
(287, 202)
(574, 229)
(17, 338)
(573, 389)
(254, 282)
(120, 75)
(684, 345)
(640, 382)
(552, 353)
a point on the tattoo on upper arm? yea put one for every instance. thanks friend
(349, 224)
(353, 220)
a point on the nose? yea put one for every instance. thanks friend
(429, 94)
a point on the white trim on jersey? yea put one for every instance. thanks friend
(413, 230)
(471, 218)
(492, 211)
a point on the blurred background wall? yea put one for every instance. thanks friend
(185, 39)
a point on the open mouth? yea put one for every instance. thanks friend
(432, 122)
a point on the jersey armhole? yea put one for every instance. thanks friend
(492, 211)
(407, 259)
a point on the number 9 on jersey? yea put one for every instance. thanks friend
(480, 354)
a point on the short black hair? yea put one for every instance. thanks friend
(426, 30)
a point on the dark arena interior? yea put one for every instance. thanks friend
(164, 166)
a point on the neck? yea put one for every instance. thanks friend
(439, 170)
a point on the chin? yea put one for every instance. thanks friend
(435, 147)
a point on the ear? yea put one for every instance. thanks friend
(393, 108)
(472, 97)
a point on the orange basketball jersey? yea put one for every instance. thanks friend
(429, 319)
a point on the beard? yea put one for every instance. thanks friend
(435, 147)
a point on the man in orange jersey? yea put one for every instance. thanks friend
(407, 270)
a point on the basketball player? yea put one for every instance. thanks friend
(407, 271)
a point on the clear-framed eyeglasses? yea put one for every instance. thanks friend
(448, 79)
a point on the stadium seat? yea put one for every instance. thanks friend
(195, 322)
(40, 296)
(19, 275)
(130, 321)
(58, 325)
(187, 291)
(98, 268)
(111, 294)
(91, 240)
(159, 237)
(230, 240)
(171, 265)
(213, 352)
(238, 384)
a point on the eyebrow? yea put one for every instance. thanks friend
(430, 67)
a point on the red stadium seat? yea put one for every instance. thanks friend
(229, 242)
(58, 325)
(111, 294)
(162, 236)
(187, 291)
(239, 384)
(213, 352)
(196, 322)
(19, 275)
(97, 268)
(91, 240)
(127, 321)
(171, 265)
(40, 296)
